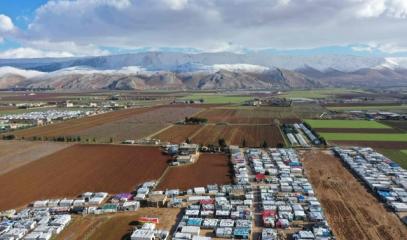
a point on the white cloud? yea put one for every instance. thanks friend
(33, 53)
(80, 27)
(376, 8)
(176, 4)
(70, 47)
(6, 24)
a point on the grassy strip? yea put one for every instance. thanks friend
(395, 137)
(319, 93)
(345, 124)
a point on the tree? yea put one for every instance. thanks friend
(222, 143)
(111, 140)
(9, 137)
(244, 142)
(94, 139)
(265, 144)
(188, 141)
(78, 138)
(280, 145)
(34, 138)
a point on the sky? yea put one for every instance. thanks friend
(69, 28)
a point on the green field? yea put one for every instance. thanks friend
(399, 156)
(217, 98)
(319, 93)
(345, 124)
(391, 137)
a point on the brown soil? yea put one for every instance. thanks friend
(235, 134)
(116, 126)
(116, 226)
(357, 130)
(14, 154)
(372, 144)
(401, 125)
(72, 127)
(178, 133)
(351, 211)
(209, 169)
(81, 168)
(248, 115)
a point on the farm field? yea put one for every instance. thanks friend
(14, 154)
(254, 135)
(209, 169)
(81, 168)
(212, 98)
(344, 124)
(357, 130)
(393, 137)
(352, 212)
(370, 108)
(248, 115)
(139, 125)
(319, 93)
(400, 125)
(117, 226)
(372, 144)
(120, 125)
(178, 133)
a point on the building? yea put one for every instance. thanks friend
(185, 159)
(188, 149)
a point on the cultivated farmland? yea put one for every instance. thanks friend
(14, 154)
(253, 135)
(209, 169)
(116, 126)
(178, 133)
(81, 168)
(247, 115)
(345, 124)
(372, 144)
(352, 212)
(401, 137)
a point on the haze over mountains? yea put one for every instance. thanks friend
(170, 70)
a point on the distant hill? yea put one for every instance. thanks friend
(166, 70)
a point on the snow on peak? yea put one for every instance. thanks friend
(86, 70)
(239, 67)
(394, 63)
(21, 72)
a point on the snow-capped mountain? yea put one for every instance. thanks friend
(203, 71)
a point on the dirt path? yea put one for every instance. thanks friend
(352, 211)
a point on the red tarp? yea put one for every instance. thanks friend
(149, 220)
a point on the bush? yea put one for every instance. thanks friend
(9, 137)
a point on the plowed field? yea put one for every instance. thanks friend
(178, 133)
(14, 154)
(116, 126)
(209, 169)
(264, 115)
(81, 168)
(351, 211)
(254, 135)
(372, 144)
